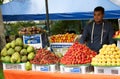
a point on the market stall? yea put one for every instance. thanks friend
(43, 63)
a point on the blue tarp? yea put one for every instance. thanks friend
(58, 9)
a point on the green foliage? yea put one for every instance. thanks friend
(13, 28)
(1, 74)
(114, 23)
(1, 1)
(60, 27)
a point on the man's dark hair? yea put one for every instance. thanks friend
(99, 8)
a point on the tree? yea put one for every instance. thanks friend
(2, 36)
(60, 27)
(1, 1)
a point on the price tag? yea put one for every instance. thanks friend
(33, 40)
(76, 70)
(61, 45)
(44, 68)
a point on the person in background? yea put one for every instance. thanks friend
(98, 32)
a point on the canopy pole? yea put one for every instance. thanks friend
(47, 16)
(119, 23)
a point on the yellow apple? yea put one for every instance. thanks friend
(113, 60)
(105, 45)
(112, 56)
(112, 49)
(118, 52)
(117, 49)
(107, 56)
(97, 56)
(99, 64)
(108, 63)
(93, 59)
(110, 53)
(113, 45)
(108, 60)
(114, 53)
(118, 63)
(103, 60)
(102, 56)
(108, 49)
(103, 64)
(117, 56)
(113, 63)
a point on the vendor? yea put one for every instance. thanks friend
(97, 32)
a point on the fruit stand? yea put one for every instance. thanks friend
(23, 61)
(76, 60)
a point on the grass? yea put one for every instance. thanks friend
(1, 74)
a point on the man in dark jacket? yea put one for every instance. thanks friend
(98, 32)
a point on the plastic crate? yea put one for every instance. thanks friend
(76, 69)
(107, 70)
(8, 66)
(44, 68)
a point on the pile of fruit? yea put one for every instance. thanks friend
(17, 52)
(117, 34)
(44, 56)
(31, 30)
(63, 38)
(109, 56)
(78, 54)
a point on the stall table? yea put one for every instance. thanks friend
(14, 74)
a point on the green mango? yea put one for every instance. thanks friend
(30, 49)
(24, 58)
(18, 48)
(4, 52)
(13, 44)
(2, 59)
(31, 56)
(25, 46)
(18, 42)
(8, 45)
(28, 66)
(10, 51)
(15, 58)
(7, 59)
(23, 52)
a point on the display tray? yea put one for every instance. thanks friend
(11, 66)
(107, 70)
(60, 45)
(44, 68)
(84, 68)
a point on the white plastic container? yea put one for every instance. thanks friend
(107, 70)
(44, 68)
(60, 48)
(9, 66)
(75, 69)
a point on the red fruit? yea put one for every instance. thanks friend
(78, 54)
